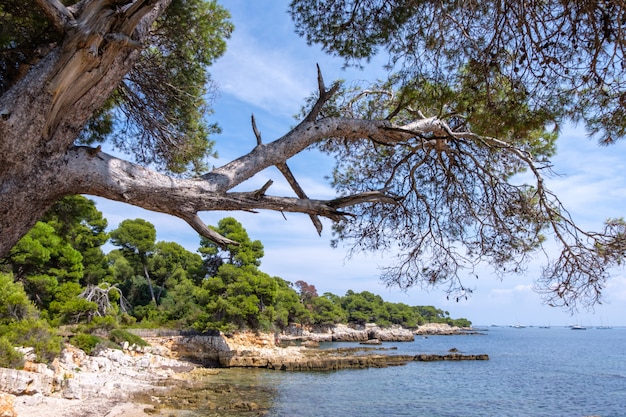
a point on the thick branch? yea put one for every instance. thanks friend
(309, 133)
(60, 17)
(115, 179)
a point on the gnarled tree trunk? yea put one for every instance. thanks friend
(42, 114)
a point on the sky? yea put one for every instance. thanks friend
(268, 71)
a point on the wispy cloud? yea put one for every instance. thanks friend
(265, 76)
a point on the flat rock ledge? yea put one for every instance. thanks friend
(251, 350)
(333, 362)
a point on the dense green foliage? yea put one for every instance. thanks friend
(504, 76)
(58, 275)
(555, 60)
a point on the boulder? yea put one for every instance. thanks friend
(18, 382)
(343, 333)
(391, 334)
(437, 329)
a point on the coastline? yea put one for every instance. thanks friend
(136, 381)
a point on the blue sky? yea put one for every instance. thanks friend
(268, 71)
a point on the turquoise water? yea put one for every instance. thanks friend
(531, 372)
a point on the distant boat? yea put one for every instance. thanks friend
(544, 327)
(603, 327)
(578, 327)
(518, 326)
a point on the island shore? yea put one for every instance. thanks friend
(139, 381)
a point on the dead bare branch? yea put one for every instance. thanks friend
(295, 186)
(257, 134)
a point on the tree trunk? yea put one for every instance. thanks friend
(42, 114)
(147, 275)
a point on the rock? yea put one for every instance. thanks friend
(28, 353)
(7, 405)
(244, 405)
(444, 329)
(343, 333)
(17, 382)
(200, 349)
(247, 349)
(372, 342)
(450, 357)
(437, 329)
(391, 334)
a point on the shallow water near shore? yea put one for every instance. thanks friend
(531, 372)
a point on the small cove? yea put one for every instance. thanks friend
(531, 372)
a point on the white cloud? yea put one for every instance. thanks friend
(266, 76)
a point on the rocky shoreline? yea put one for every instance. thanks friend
(112, 382)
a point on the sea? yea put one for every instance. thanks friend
(531, 371)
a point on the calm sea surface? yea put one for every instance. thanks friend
(531, 372)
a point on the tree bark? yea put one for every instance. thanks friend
(42, 114)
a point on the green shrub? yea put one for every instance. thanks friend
(148, 315)
(35, 333)
(105, 323)
(86, 342)
(14, 303)
(73, 311)
(9, 357)
(127, 319)
(120, 336)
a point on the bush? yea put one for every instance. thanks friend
(146, 313)
(74, 310)
(101, 323)
(35, 333)
(86, 342)
(9, 357)
(120, 336)
(127, 319)
(14, 303)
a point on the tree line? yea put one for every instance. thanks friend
(58, 275)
